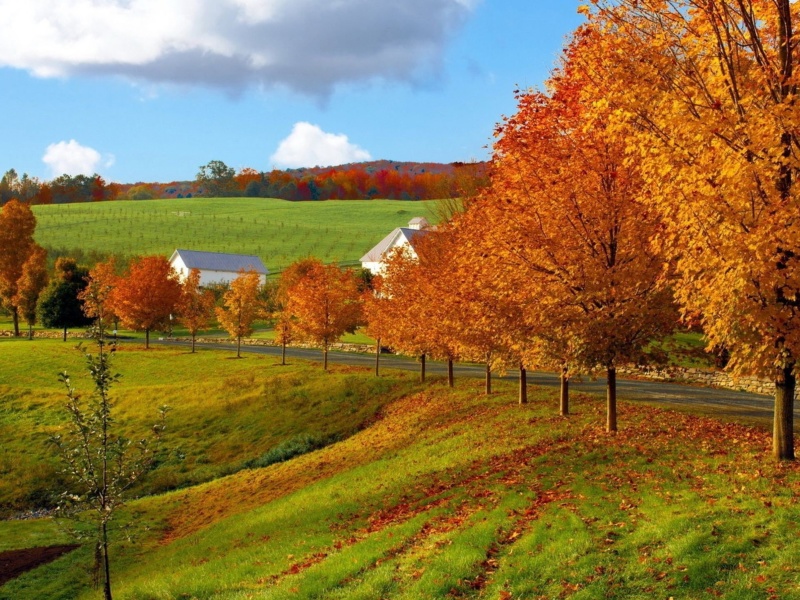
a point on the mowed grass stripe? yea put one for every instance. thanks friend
(278, 231)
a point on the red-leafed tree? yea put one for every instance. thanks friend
(147, 295)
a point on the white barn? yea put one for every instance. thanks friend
(400, 237)
(216, 267)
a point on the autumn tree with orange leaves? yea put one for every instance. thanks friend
(569, 222)
(17, 224)
(376, 316)
(708, 94)
(325, 302)
(418, 311)
(147, 295)
(30, 285)
(279, 298)
(493, 328)
(97, 295)
(241, 307)
(196, 305)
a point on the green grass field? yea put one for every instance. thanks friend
(278, 231)
(223, 398)
(446, 493)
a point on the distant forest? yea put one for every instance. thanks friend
(357, 181)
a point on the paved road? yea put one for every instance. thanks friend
(737, 404)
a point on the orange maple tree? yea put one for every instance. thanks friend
(17, 225)
(147, 295)
(30, 285)
(570, 227)
(708, 94)
(419, 316)
(375, 316)
(97, 295)
(196, 305)
(241, 306)
(324, 302)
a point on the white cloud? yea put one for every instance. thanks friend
(73, 159)
(309, 46)
(310, 146)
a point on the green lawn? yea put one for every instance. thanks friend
(444, 494)
(278, 231)
(226, 399)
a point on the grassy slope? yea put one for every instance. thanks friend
(276, 230)
(454, 494)
(218, 418)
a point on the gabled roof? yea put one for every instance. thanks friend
(219, 261)
(393, 239)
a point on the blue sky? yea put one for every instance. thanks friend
(149, 90)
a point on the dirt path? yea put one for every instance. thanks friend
(14, 563)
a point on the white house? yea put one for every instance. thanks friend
(216, 267)
(402, 236)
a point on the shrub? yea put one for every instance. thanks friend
(286, 450)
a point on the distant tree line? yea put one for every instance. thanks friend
(360, 181)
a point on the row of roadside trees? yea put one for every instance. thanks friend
(654, 178)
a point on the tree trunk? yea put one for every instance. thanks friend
(65, 333)
(488, 379)
(146, 339)
(523, 385)
(30, 331)
(611, 398)
(450, 381)
(783, 420)
(194, 335)
(422, 369)
(283, 354)
(238, 346)
(378, 357)
(15, 318)
(564, 403)
(106, 565)
(325, 356)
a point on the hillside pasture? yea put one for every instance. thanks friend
(278, 231)
(451, 494)
(224, 413)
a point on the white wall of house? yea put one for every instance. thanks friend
(379, 267)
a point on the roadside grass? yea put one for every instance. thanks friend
(452, 494)
(278, 231)
(224, 412)
(687, 349)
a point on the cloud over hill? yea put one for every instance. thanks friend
(309, 146)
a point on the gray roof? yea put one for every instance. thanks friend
(218, 261)
(410, 235)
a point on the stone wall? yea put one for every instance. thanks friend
(339, 346)
(706, 377)
(78, 334)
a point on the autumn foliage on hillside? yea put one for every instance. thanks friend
(357, 181)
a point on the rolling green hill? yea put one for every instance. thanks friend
(444, 493)
(278, 231)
